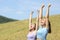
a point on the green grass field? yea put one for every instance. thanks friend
(17, 30)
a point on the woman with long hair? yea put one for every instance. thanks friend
(32, 28)
(44, 24)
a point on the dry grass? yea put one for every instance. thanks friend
(18, 30)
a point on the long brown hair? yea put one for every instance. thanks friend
(49, 31)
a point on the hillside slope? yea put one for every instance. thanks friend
(5, 19)
(18, 30)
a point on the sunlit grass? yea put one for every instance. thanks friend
(18, 30)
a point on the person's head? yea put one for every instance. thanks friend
(33, 27)
(43, 22)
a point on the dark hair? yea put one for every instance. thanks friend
(35, 26)
(49, 31)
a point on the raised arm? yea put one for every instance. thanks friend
(40, 15)
(47, 16)
(37, 20)
(30, 19)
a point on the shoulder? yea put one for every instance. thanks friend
(35, 32)
(46, 28)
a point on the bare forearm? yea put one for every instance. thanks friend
(30, 19)
(37, 22)
(47, 13)
(40, 14)
(47, 16)
(41, 11)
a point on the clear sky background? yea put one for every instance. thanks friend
(20, 9)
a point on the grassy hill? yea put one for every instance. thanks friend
(5, 19)
(18, 30)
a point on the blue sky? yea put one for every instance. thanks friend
(20, 9)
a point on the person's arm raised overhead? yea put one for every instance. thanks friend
(47, 16)
(37, 20)
(40, 14)
(30, 19)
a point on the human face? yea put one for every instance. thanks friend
(32, 26)
(43, 22)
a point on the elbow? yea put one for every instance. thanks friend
(40, 17)
(47, 17)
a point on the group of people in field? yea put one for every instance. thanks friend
(40, 29)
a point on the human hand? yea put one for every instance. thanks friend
(49, 5)
(32, 12)
(42, 6)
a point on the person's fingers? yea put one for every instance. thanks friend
(32, 12)
(42, 6)
(49, 5)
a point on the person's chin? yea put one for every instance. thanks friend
(41, 24)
